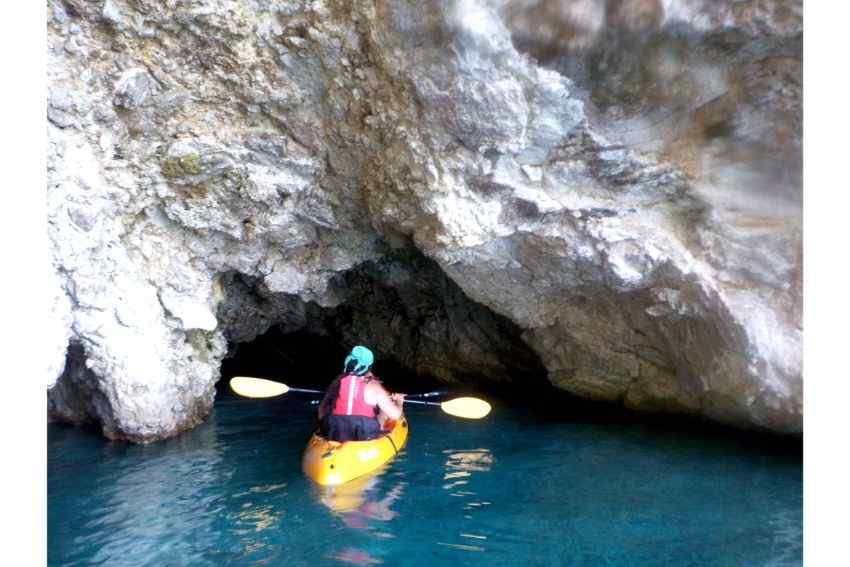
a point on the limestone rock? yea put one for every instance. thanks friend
(132, 89)
(112, 13)
(617, 184)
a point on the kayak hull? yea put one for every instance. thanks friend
(331, 463)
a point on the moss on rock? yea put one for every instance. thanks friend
(181, 166)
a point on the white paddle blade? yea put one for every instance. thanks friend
(470, 408)
(257, 387)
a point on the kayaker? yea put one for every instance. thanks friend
(356, 404)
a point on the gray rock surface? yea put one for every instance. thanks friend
(618, 180)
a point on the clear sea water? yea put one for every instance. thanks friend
(514, 489)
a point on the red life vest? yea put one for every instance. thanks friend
(350, 400)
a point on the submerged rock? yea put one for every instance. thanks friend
(620, 186)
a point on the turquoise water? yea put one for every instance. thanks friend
(513, 489)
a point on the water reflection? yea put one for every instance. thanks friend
(460, 465)
(359, 501)
(149, 506)
(786, 527)
(257, 521)
(477, 460)
(362, 505)
(356, 557)
(254, 519)
(458, 472)
(227, 494)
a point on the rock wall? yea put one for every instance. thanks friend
(619, 180)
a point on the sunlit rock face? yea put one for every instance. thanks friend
(618, 181)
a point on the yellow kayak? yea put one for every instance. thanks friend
(330, 463)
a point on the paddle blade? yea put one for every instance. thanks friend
(257, 387)
(470, 408)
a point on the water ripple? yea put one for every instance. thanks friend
(510, 491)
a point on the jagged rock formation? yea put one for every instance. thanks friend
(621, 185)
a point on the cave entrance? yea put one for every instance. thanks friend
(425, 332)
(304, 359)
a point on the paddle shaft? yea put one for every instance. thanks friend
(421, 402)
(305, 391)
(426, 395)
(407, 401)
(466, 407)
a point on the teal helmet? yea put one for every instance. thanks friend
(363, 357)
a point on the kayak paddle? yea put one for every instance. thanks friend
(261, 388)
(427, 394)
(470, 408)
(466, 407)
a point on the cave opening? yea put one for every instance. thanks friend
(425, 332)
(304, 359)
(426, 335)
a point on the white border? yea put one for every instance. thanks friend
(827, 257)
(23, 232)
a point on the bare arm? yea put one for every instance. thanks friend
(385, 403)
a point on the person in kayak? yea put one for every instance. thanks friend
(356, 404)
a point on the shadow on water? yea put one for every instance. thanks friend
(548, 405)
